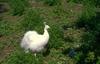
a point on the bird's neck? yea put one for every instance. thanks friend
(45, 32)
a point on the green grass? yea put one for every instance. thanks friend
(18, 6)
(32, 20)
(22, 58)
(71, 27)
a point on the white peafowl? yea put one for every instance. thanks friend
(34, 41)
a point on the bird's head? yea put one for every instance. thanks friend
(46, 26)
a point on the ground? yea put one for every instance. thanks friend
(63, 34)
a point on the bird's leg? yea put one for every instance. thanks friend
(35, 54)
(26, 51)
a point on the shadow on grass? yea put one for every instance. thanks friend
(90, 39)
(2, 8)
(89, 51)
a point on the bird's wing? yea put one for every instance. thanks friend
(32, 36)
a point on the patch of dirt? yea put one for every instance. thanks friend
(2, 38)
(7, 48)
(4, 13)
(38, 4)
(10, 18)
(5, 52)
(75, 11)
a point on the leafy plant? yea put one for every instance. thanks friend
(90, 57)
(98, 62)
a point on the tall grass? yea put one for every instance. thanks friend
(32, 20)
(19, 57)
(56, 35)
(5, 28)
(18, 6)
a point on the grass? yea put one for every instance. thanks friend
(18, 6)
(30, 21)
(68, 30)
(50, 2)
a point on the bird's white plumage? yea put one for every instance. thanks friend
(34, 41)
